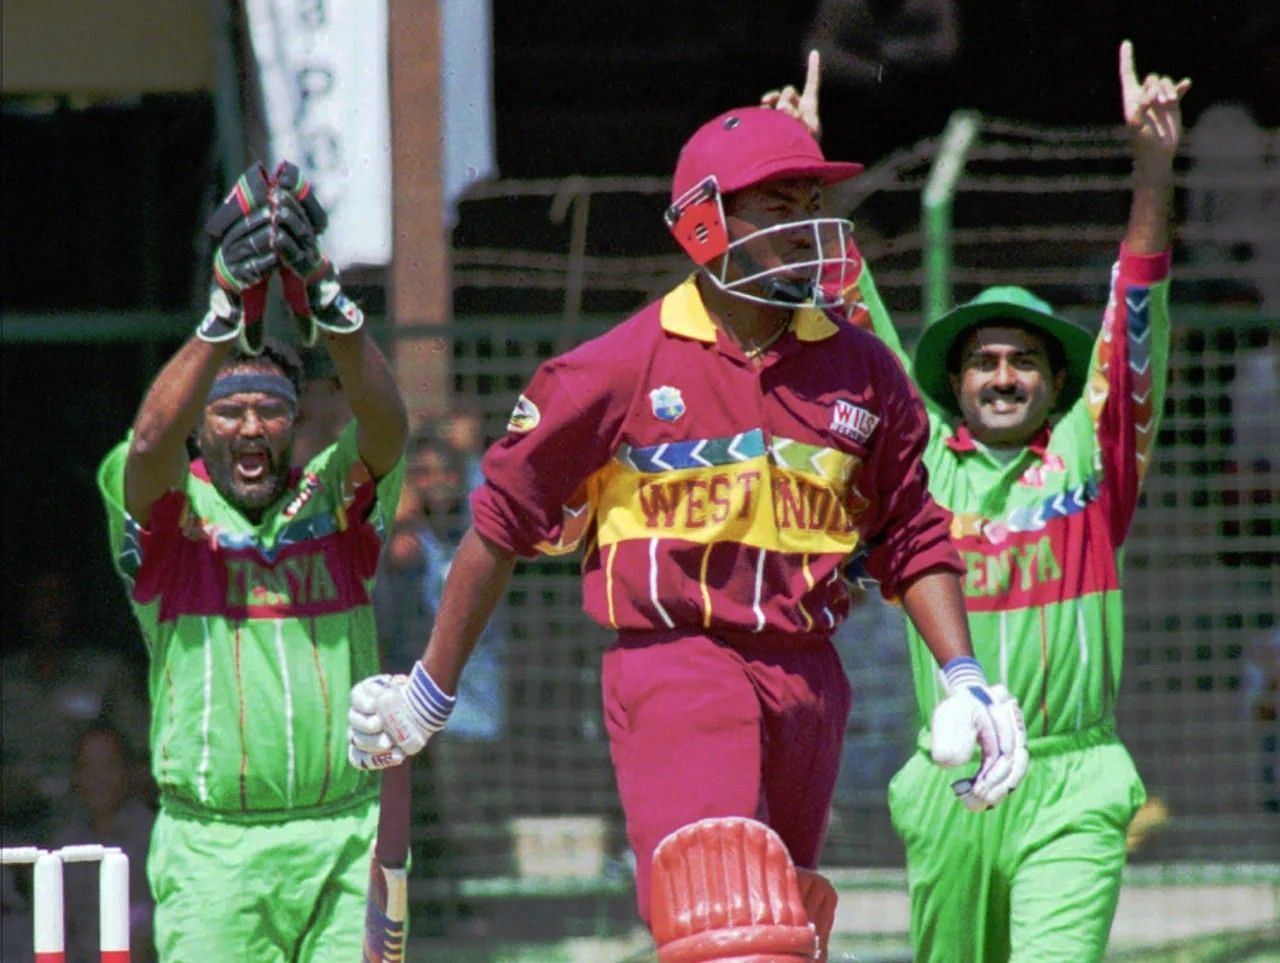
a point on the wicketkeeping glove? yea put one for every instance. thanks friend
(243, 231)
(311, 283)
(986, 717)
(393, 716)
(289, 178)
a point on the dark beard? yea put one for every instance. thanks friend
(254, 502)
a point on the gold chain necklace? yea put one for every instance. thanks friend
(755, 352)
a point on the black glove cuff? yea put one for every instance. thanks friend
(223, 321)
(340, 315)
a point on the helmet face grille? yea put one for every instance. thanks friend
(822, 264)
(819, 272)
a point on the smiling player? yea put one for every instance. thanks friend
(1040, 435)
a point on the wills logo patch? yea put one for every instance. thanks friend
(524, 416)
(853, 422)
(667, 402)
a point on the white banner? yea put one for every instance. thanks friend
(323, 70)
(466, 89)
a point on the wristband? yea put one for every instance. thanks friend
(429, 702)
(962, 672)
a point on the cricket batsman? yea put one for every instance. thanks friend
(717, 457)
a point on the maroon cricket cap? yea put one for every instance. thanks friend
(751, 145)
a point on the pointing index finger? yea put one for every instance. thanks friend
(1128, 74)
(811, 76)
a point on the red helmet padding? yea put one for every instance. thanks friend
(696, 218)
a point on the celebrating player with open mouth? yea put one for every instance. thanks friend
(251, 583)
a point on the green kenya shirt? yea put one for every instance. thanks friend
(256, 633)
(1042, 536)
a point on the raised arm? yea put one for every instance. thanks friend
(320, 307)
(1153, 114)
(800, 104)
(1117, 418)
(382, 424)
(242, 260)
(157, 457)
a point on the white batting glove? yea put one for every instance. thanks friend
(975, 714)
(393, 716)
(368, 745)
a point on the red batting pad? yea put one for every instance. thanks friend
(726, 888)
(820, 901)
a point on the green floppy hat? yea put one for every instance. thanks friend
(1005, 303)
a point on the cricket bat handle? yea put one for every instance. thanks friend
(386, 908)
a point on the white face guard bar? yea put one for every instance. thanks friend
(827, 267)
